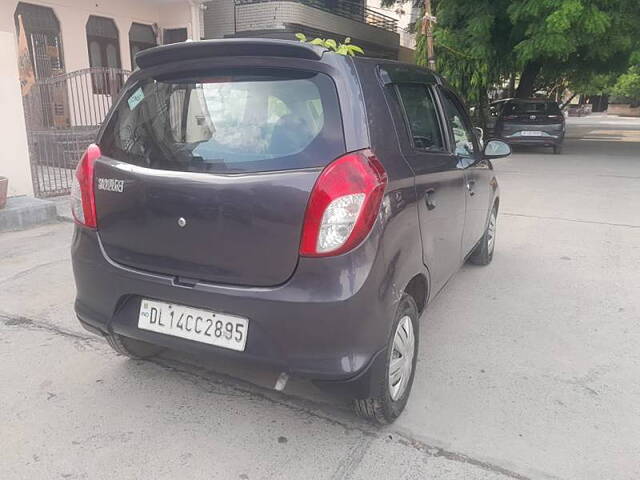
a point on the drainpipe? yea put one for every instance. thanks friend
(196, 7)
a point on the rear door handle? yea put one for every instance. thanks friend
(428, 198)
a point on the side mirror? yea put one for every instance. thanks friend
(496, 149)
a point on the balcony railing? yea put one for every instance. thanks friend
(343, 8)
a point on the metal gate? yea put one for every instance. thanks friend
(63, 114)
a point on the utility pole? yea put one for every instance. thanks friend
(427, 30)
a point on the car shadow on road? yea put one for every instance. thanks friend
(249, 379)
(528, 149)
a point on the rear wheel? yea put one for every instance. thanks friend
(132, 348)
(393, 385)
(483, 253)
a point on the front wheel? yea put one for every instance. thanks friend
(393, 384)
(483, 253)
(557, 149)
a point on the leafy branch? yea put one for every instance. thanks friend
(345, 48)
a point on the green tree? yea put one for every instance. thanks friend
(526, 44)
(561, 35)
(470, 51)
(628, 85)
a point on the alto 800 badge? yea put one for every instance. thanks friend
(111, 185)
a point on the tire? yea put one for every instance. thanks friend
(132, 348)
(387, 400)
(557, 149)
(483, 253)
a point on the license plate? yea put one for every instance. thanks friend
(219, 329)
(531, 133)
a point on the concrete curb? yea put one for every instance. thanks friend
(63, 207)
(24, 212)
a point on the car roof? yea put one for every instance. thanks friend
(396, 72)
(400, 72)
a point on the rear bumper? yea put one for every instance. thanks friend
(550, 135)
(535, 141)
(322, 324)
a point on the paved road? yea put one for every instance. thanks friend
(529, 368)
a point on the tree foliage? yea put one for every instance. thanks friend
(483, 44)
(628, 85)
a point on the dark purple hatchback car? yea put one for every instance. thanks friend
(274, 201)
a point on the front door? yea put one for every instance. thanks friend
(476, 170)
(439, 181)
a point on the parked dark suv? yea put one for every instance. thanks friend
(529, 122)
(273, 201)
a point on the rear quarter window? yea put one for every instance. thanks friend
(234, 123)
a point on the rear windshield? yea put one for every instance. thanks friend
(232, 123)
(548, 108)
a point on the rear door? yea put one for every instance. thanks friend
(477, 171)
(439, 181)
(207, 177)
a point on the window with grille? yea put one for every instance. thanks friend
(141, 37)
(42, 30)
(174, 35)
(104, 55)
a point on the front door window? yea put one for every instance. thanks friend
(461, 127)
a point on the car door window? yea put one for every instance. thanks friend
(462, 133)
(421, 117)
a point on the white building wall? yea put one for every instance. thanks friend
(72, 16)
(181, 14)
(14, 157)
(405, 13)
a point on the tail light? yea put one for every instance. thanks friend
(343, 205)
(83, 202)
